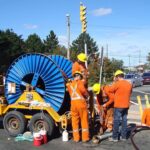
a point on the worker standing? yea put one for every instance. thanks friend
(104, 100)
(122, 90)
(79, 65)
(79, 111)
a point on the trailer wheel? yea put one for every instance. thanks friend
(40, 121)
(14, 123)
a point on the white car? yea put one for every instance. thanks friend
(135, 79)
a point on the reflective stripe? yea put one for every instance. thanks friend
(76, 130)
(75, 95)
(85, 130)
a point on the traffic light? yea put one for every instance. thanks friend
(84, 26)
(83, 17)
(82, 12)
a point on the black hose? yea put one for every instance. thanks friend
(134, 131)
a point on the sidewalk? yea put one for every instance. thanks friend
(134, 114)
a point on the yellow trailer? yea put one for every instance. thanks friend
(36, 112)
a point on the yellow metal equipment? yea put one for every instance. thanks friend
(29, 104)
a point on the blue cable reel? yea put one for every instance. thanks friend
(41, 73)
(64, 64)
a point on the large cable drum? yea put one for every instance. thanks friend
(64, 64)
(42, 73)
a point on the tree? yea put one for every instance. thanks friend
(51, 43)
(34, 44)
(78, 45)
(148, 58)
(110, 66)
(11, 46)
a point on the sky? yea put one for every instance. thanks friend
(121, 25)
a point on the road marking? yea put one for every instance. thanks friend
(134, 103)
(141, 92)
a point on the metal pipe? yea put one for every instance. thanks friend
(104, 136)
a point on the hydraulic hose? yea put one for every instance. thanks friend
(134, 131)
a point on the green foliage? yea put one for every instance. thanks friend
(148, 58)
(94, 70)
(78, 45)
(34, 44)
(11, 46)
(51, 43)
(110, 66)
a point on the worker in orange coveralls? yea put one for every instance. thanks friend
(79, 110)
(146, 117)
(79, 65)
(104, 102)
(122, 90)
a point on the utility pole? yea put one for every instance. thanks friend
(129, 63)
(68, 35)
(139, 57)
(107, 50)
(101, 66)
(85, 49)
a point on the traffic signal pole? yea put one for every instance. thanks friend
(84, 26)
(85, 50)
(101, 66)
(68, 35)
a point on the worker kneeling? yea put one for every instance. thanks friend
(79, 110)
(104, 100)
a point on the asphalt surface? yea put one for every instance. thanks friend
(140, 91)
(141, 138)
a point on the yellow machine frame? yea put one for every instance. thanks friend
(23, 104)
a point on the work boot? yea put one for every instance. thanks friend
(112, 140)
(123, 139)
(85, 141)
(77, 141)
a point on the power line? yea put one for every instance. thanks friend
(131, 56)
(116, 27)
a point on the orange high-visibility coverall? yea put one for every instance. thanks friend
(106, 113)
(146, 117)
(122, 91)
(79, 111)
(81, 68)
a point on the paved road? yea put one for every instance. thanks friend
(141, 91)
(134, 114)
(142, 138)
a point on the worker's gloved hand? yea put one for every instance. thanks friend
(96, 109)
(68, 80)
(104, 106)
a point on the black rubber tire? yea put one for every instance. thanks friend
(12, 120)
(43, 120)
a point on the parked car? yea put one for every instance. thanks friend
(135, 79)
(146, 78)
